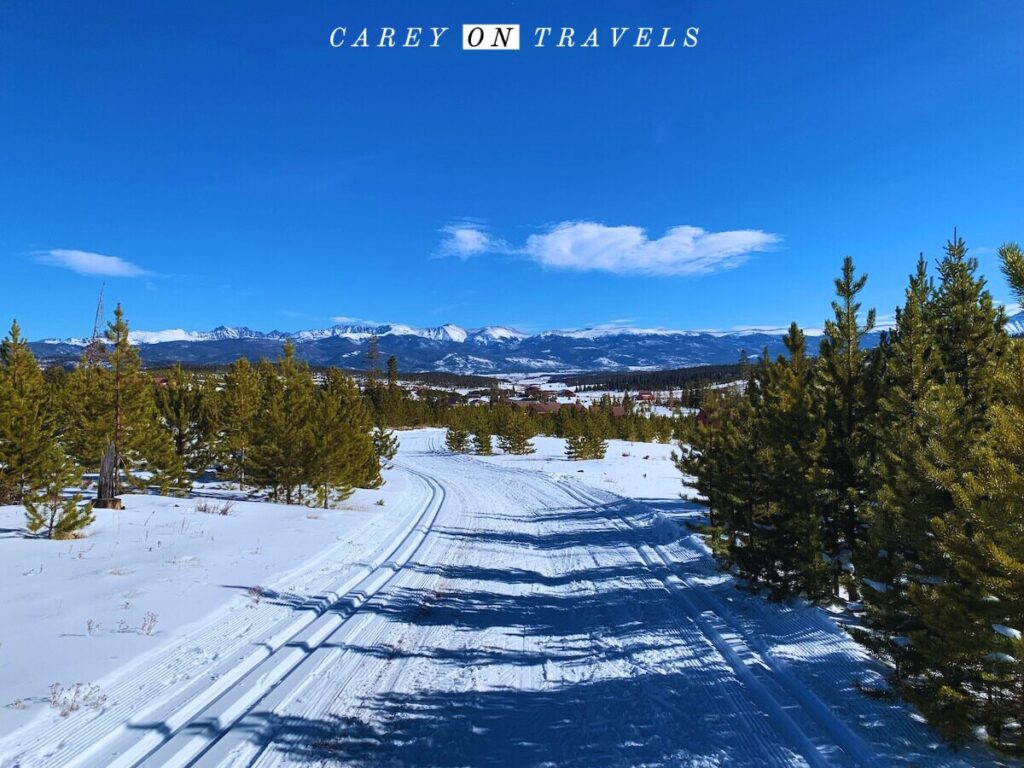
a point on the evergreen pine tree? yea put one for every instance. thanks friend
(84, 405)
(576, 447)
(282, 452)
(481, 443)
(515, 433)
(587, 438)
(456, 438)
(47, 509)
(947, 644)
(842, 372)
(903, 498)
(113, 403)
(785, 550)
(970, 332)
(344, 456)
(706, 458)
(188, 411)
(595, 445)
(385, 444)
(240, 405)
(1012, 259)
(27, 428)
(393, 398)
(957, 413)
(373, 390)
(984, 543)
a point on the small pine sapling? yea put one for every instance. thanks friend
(457, 439)
(385, 444)
(50, 511)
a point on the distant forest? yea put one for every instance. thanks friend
(693, 378)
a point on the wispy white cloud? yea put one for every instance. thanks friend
(684, 250)
(468, 239)
(588, 246)
(346, 320)
(86, 263)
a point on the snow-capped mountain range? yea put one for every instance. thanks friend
(488, 350)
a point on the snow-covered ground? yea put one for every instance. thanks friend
(496, 611)
(74, 611)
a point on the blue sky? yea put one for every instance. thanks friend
(235, 169)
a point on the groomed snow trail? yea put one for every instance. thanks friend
(525, 619)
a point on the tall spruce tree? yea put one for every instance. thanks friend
(586, 441)
(594, 440)
(187, 406)
(972, 344)
(240, 407)
(902, 497)
(283, 448)
(113, 403)
(576, 447)
(706, 457)
(785, 549)
(970, 332)
(482, 443)
(841, 373)
(27, 428)
(344, 456)
(392, 398)
(984, 544)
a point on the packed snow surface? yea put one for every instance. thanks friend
(520, 611)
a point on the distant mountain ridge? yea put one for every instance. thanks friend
(454, 349)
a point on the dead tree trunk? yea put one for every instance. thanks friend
(107, 496)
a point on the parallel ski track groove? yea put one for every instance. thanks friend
(145, 743)
(99, 732)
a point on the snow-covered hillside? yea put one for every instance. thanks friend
(520, 611)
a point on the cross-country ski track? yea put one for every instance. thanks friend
(516, 616)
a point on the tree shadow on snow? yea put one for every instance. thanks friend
(648, 719)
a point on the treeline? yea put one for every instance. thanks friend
(272, 426)
(893, 475)
(691, 382)
(471, 430)
(611, 418)
(585, 430)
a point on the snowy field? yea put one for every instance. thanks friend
(76, 611)
(494, 611)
